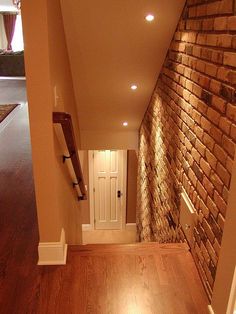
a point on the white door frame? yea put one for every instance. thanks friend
(91, 189)
(232, 299)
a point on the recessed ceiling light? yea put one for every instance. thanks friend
(125, 123)
(133, 87)
(149, 17)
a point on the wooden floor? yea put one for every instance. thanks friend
(12, 91)
(19, 275)
(124, 279)
(114, 279)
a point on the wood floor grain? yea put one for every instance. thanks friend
(120, 279)
(19, 275)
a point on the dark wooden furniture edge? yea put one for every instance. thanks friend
(65, 120)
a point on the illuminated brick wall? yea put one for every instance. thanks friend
(188, 134)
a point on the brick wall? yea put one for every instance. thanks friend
(188, 133)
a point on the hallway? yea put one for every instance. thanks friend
(116, 279)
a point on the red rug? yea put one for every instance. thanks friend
(5, 110)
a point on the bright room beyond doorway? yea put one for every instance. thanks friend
(17, 41)
(109, 214)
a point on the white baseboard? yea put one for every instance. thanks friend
(12, 78)
(86, 227)
(210, 309)
(53, 253)
(130, 226)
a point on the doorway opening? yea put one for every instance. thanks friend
(110, 213)
(232, 299)
(107, 186)
(17, 40)
(11, 44)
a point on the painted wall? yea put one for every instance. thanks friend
(131, 186)
(188, 134)
(132, 171)
(94, 140)
(47, 66)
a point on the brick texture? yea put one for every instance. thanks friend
(188, 134)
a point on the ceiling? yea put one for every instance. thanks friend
(111, 46)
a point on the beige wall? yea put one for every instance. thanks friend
(47, 66)
(132, 168)
(109, 140)
(85, 211)
(131, 186)
(227, 261)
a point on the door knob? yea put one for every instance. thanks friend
(119, 194)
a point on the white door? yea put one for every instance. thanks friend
(109, 188)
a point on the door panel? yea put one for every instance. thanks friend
(113, 199)
(102, 198)
(108, 180)
(113, 161)
(101, 161)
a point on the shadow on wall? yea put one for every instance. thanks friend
(158, 188)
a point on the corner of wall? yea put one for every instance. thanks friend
(53, 253)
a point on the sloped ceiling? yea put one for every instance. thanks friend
(111, 46)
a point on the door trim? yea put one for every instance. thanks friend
(232, 298)
(91, 186)
(123, 205)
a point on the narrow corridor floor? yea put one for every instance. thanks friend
(124, 279)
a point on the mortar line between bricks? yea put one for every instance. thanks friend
(200, 3)
(196, 83)
(210, 31)
(217, 32)
(195, 123)
(214, 172)
(197, 97)
(215, 48)
(210, 16)
(195, 148)
(206, 75)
